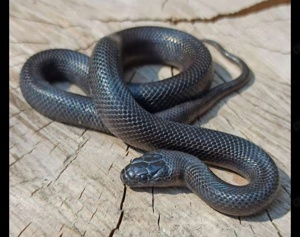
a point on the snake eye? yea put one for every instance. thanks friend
(143, 178)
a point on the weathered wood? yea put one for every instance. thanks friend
(64, 180)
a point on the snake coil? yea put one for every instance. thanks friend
(150, 116)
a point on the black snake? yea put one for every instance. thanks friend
(141, 114)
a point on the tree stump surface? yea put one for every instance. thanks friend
(64, 180)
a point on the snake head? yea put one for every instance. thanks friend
(149, 170)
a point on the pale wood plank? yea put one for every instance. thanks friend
(64, 181)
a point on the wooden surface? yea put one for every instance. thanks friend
(64, 181)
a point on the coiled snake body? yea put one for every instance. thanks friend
(126, 111)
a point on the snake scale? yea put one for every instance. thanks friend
(153, 116)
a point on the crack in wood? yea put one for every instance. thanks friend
(163, 4)
(274, 115)
(34, 232)
(266, 111)
(111, 145)
(123, 197)
(75, 154)
(53, 148)
(118, 224)
(63, 204)
(79, 210)
(76, 229)
(230, 124)
(37, 131)
(152, 191)
(24, 229)
(23, 181)
(80, 146)
(251, 228)
(127, 150)
(94, 213)
(49, 184)
(276, 228)
(121, 214)
(28, 42)
(26, 154)
(63, 225)
(34, 21)
(81, 193)
(158, 221)
(236, 114)
(19, 112)
(173, 20)
(112, 164)
(256, 46)
(284, 188)
(60, 173)
(84, 131)
(100, 193)
(36, 190)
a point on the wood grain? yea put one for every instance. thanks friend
(64, 180)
